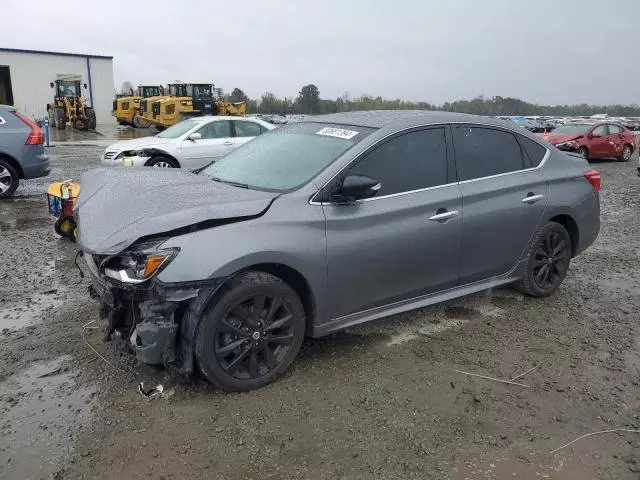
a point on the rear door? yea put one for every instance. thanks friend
(504, 196)
(245, 130)
(215, 142)
(598, 143)
(394, 246)
(616, 140)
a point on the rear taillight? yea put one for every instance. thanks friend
(593, 177)
(36, 137)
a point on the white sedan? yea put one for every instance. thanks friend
(191, 143)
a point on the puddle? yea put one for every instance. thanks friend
(24, 223)
(41, 410)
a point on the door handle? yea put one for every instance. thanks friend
(228, 143)
(532, 198)
(443, 215)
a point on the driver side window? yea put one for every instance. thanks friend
(600, 131)
(217, 129)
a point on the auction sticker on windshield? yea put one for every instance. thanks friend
(337, 132)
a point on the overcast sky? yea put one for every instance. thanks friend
(554, 51)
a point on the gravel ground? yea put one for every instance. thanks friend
(378, 401)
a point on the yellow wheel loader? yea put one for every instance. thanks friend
(190, 100)
(126, 108)
(69, 106)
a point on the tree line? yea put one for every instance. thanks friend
(308, 101)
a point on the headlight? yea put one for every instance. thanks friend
(137, 265)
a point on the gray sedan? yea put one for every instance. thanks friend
(324, 224)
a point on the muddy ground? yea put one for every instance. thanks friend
(379, 401)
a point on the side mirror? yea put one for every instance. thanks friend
(85, 86)
(195, 136)
(358, 187)
(51, 84)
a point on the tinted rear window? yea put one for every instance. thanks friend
(483, 152)
(533, 150)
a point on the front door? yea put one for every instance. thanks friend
(405, 241)
(599, 145)
(216, 140)
(503, 197)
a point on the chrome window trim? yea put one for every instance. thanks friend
(373, 145)
(2, 121)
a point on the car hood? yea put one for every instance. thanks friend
(554, 139)
(116, 207)
(137, 143)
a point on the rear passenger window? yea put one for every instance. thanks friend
(482, 152)
(533, 150)
(411, 161)
(614, 129)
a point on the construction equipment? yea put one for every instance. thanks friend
(126, 108)
(61, 198)
(69, 106)
(188, 100)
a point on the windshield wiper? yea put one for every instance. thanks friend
(229, 182)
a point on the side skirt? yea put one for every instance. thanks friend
(413, 303)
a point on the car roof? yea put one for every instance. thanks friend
(7, 107)
(389, 121)
(400, 118)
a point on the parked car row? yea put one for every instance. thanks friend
(540, 124)
(323, 224)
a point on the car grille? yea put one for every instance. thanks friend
(109, 155)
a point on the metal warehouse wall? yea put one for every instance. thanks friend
(32, 72)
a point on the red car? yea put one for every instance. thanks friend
(595, 140)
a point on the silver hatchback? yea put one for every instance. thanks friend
(324, 224)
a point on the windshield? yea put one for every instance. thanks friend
(285, 158)
(573, 129)
(179, 129)
(150, 91)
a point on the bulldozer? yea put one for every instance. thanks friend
(126, 108)
(187, 100)
(69, 106)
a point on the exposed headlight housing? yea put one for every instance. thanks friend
(569, 144)
(137, 265)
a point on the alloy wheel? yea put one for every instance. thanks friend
(254, 336)
(162, 164)
(551, 261)
(626, 153)
(5, 179)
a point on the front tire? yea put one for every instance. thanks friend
(547, 261)
(250, 333)
(9, 179)
(627, 152)
(61, 121)
(162, 162)
(583, 152)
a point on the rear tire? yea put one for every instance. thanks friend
(91, 118)
(250, 332)
(583, 152)
(548, 261)
(162, 162)
(9, 179)
(627, 152)
(61, 121)
(52, 118)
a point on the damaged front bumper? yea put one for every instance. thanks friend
(155, 320)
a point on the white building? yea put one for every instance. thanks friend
(25, 76)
